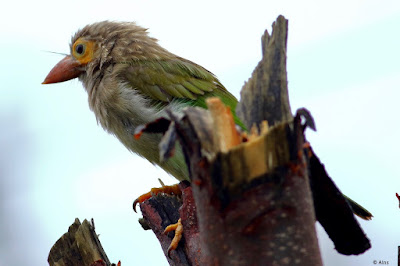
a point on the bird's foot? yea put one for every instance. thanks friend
(178, 228)
(171, 190)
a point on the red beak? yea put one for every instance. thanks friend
(66, 69)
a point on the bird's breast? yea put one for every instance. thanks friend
(120, 112)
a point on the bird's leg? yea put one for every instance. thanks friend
(171, 190)
(178, 228)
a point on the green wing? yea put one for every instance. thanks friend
(178, 79)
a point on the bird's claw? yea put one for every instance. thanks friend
(134, 205)
(171, 190)
(178, 228)
(143, 197)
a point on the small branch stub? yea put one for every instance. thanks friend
(79, 246)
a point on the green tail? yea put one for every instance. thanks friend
(358, 210)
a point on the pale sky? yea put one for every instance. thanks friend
(57, 164)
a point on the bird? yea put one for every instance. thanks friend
(131, 81)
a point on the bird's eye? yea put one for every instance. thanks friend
(83, 50)
(80, 49)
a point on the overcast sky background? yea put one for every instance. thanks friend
(57, 164)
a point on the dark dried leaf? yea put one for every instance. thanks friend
(158, 126)
(309, 120)
(167, 143)
(334, 213)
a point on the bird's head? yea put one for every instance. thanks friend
(101, 45)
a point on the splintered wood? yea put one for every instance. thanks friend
(225, 133)
(249, 154)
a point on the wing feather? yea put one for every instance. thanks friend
(177, 79)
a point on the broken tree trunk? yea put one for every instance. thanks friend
(254, 204)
